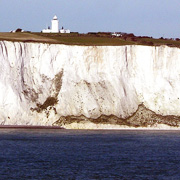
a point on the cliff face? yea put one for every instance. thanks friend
(43, 84)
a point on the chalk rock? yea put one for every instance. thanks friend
(40, 83)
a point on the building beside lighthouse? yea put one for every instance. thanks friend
(55, 27)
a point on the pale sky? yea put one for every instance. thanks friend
(155, 18)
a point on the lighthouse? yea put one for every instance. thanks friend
(55, 25)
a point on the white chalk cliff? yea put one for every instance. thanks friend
(41, 83)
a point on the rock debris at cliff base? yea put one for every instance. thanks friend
(143, 117)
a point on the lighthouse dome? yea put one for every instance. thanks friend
(55, 17)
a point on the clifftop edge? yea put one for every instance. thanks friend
(96, 39)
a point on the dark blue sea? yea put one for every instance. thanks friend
(50, 154)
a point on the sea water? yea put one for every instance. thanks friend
(45, 154)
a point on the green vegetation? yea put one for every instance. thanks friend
(85, 39)
(90, 39)
(25, 37)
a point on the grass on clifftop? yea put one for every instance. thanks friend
(69, 39)
(95, 39)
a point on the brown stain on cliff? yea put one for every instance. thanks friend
(94, 54)
(52, 100)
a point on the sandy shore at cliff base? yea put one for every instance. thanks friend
(93, 126)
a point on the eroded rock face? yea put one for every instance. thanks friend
(42, 84)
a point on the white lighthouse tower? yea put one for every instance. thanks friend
(55, 25)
